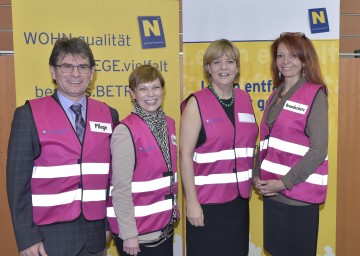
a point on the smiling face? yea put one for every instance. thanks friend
(288, 63)
(74, 84)
(149, 96)
(223, 71)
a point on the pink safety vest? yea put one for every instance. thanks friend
(287, 143)
(152, 198)
(223, 164)
(69, 178)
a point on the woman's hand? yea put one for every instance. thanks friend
(194, 214)
(269, 187)
(131, 246)
(255, 182)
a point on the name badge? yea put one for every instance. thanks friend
(246, 118)
(100, 127)
(295, 107)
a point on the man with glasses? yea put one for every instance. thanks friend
(58, 161)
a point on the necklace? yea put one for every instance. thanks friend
(220, 100)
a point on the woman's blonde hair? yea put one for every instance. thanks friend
(216, 50)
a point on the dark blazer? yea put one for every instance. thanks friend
(60, 238)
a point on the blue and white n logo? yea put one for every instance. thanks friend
(152, 33)
(319, 22)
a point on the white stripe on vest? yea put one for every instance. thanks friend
(223, 178)
(145, 210)
(110, 212)
(62, 171)
(68, 197)
(95, 168)
(285, 146)
(151, 185)
(146, 186)
(56, 199)
(161, 206)
(94, 195)
(227, 154)
(43, 172)
(280, 169)
(264, 144)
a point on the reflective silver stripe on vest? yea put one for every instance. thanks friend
(95, 168)
(285, 146)
(151, 185)
(110, 212)
(42, 172)
(145, 186)
(69, 197)
(264, 144)
(56, 199)
(165, 205)
(56, 171)
(141, 211)
(223, 178)
(94, 195)
(288, 147)
(110, 190)
(280, 169)
(228, 154)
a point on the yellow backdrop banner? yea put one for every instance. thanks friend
(122, 34)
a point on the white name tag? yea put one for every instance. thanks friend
(100, 127)
(246, 118)
(295, 107)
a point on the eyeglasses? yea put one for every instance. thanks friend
(68, 68)
(298, 34)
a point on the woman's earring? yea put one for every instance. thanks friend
(279, 75)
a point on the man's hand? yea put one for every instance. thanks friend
(107, 235)
(35, 250)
